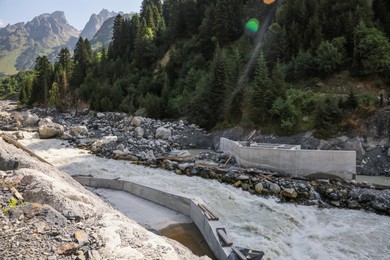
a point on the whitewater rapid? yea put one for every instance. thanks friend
(282, 231)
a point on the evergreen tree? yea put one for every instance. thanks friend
(25, 92)
(328, 115)
(261, 98)
(63, 73)
(42, 82)
(275, 45)
(117, 44)
(372, 51)
(82, 59)
(227, 25)
(217, 88)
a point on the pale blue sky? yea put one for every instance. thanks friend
(77, 12)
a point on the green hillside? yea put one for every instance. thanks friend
(284, 67)
(8, 61)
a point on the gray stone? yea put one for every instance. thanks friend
(45, 121)
(163, 133)
(30, 119)
(120, 147)
(19, 135)
(18, 118)
(79, 130)
(117, 152)
(335, 203)
(137, 121)
(259, 187)
(50, 130)
(334, 196)
(274, 188)
(139, 132)
(289, 193)
(243, 177)
(150, 155)
(180, 153)
(183, 166)
(6, 165)
(100, 115)
(353, 204)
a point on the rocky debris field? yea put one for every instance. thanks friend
(156, 143)
(45, 214)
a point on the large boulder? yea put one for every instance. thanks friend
(50, 130)
(30, 119)
(163, 133)
(25, 119)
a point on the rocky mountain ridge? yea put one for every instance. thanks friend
(21, 43)
(95, 22)
(46, 34)
(103, 36)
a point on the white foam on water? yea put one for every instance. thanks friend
(282, 231)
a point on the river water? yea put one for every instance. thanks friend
(282, 231)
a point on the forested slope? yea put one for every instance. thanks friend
(220, 63)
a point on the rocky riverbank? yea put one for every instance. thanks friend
(45, 214)
(156, 143)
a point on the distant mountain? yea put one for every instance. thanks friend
(104, 35)
(21, 43)
(95, 22)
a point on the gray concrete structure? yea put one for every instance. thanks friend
(293, 160)
(178, 202)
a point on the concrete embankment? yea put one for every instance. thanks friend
(158, 219)
(206, 221)
(294, 161)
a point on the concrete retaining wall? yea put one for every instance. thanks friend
(177, 202)
(296, 162)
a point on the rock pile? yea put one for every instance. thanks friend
(320, 192)
(157, 143)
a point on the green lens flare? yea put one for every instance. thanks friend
(252, 25)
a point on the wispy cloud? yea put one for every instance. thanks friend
(2, 23)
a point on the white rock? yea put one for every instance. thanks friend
(79, 130)
(45, 121)
(117, 152)
(183, 166)
(18, 118)
(100, 115)
(139, 132)
(120, 147)
(110, 139)
(50, 130)
(163, 133)
(137, 121)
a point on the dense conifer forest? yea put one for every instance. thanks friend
(220, 63)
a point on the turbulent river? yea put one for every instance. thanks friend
(282, 231)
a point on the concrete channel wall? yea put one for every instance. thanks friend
(179, 203)
(294, 161)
